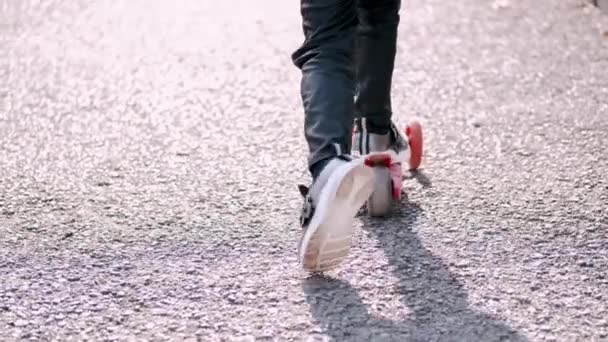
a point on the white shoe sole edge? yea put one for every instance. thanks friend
(327, 240)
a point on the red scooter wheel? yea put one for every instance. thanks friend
(413, 132)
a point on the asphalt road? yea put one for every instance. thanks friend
(150, 152)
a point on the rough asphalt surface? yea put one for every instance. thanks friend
(149, 156)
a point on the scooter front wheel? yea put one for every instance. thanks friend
(413, 132)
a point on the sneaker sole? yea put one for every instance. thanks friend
(325, 247)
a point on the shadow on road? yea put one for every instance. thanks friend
(420, 177)
(437, 304)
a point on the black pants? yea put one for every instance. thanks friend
(350, 47)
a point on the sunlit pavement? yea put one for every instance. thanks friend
(150, 152)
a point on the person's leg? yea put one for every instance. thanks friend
(341, 185)
(374, 130)
(328, 77)
(376, 49)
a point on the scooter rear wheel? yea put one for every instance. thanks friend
(380, 203)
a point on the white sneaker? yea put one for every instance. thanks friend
(330, 206)
(393, 144)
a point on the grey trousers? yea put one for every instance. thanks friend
(349, 47)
